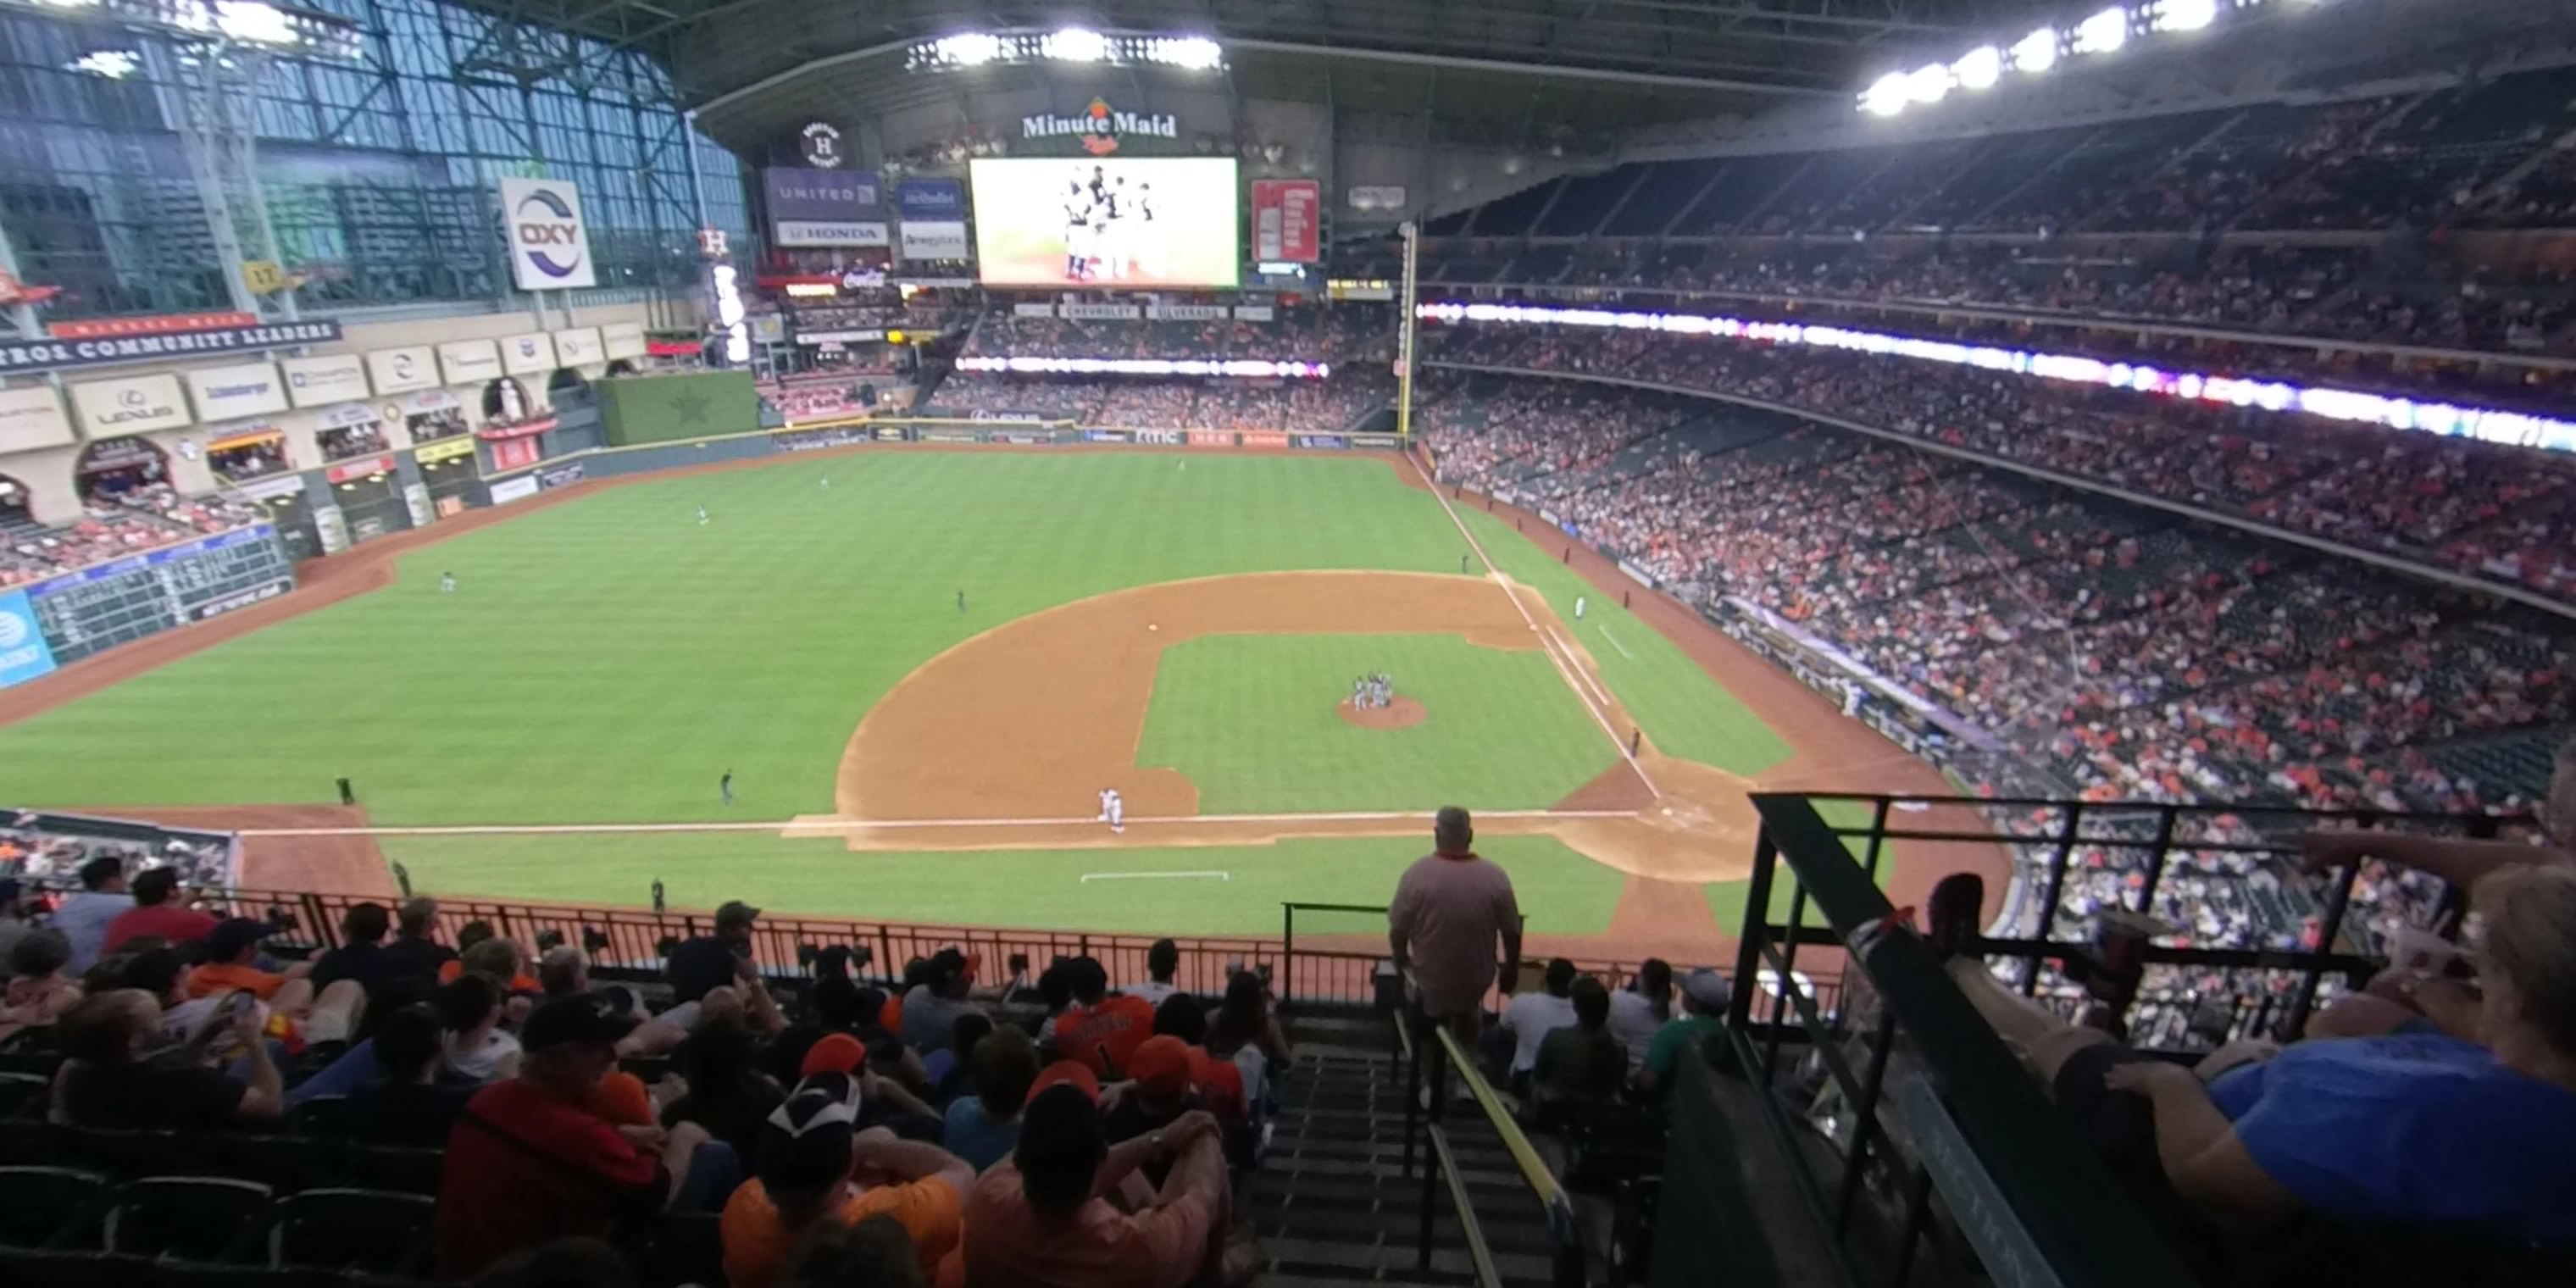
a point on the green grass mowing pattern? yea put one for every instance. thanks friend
(1562, 891)
(1250, 720)
(606, 659)
(1685, 710)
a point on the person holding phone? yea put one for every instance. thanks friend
(108, 1083)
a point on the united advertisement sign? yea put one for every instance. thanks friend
(824, 208)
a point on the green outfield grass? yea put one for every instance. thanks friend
(1250, 720)
(1560, 890)
(605, 660)
(1686, 711)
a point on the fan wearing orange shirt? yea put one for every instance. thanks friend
(230, 946)
(1100, 1029)
(812, 1159)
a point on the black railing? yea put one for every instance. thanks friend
(2029, 1197)
(1915, 1092)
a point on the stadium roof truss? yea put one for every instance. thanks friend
(1491, 68)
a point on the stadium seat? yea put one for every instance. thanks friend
(189, 1218)
(326, 1116)
(388, 1167)
(368, 1231)
(680, 1249)
(22, 1094)
(54, 1268)
(50, 1207)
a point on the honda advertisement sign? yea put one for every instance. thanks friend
(549, 243)
(823, 208)
(1287, 220)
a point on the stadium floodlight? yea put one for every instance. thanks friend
(2036, 52)
(1886, 96)
(1928, 84)
(1075, 45)
(2182, 15)
(1195, 53)
(114, 64)
(254, 21)
(967, 49)
(1979, 68)
(2102, 33)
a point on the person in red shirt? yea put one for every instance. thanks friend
(1100, 1029)
(157, 913)
(529, 1160)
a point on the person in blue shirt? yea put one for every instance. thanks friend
(2416, 1128)
(984, 1126)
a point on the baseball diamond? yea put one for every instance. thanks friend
(547, 730)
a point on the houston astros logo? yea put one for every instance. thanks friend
(539, 236)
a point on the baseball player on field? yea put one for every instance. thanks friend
(1117, 813)
(1103, 816)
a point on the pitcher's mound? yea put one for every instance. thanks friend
(1403, 713)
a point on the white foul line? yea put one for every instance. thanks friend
(1089, 877)
(1614, 642)
(1546, 644)
(835, 823)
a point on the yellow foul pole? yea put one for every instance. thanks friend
(1404, 341)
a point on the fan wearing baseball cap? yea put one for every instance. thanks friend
(1101, 1029)
(811, 1165)
(1039, 1218)
(529, 1160)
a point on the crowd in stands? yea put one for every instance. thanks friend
(2497, 512)
(1326, 406)
(112, 526)
(2331, 292)
(1343, 333)
(966, 1123)
(2127, 654)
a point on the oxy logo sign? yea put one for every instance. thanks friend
(24, 655)
(549, 244)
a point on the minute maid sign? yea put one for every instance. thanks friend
(549, 243)
(24, 654)
(1100, 127)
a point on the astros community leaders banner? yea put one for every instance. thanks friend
(99, 351)
(549, 243)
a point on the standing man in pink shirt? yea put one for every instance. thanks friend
(1450, 910)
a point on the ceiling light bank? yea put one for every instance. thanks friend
(1984, 67)
(1063, 45)
(1250, 368)
(243, 22)
(2485, 424)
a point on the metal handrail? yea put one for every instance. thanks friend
(2031, 1197)
(1442, 1166)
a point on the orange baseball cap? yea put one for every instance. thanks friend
(622, 1099)
(1161, 1065)
(835, 1053)
(1067, 1073)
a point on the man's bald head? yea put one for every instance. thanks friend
(1453, 831)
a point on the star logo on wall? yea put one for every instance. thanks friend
(692, 406)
